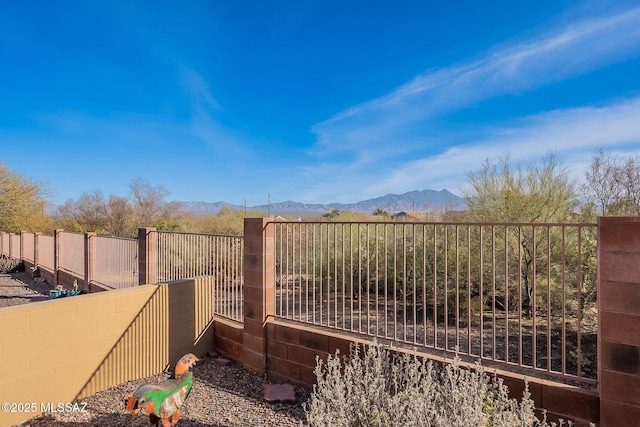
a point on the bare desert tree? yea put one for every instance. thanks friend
(613, 183)
(147, 201)
(601, 185)
(88, 213)
(117, 216)
(120, 220)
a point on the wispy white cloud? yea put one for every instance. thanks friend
(573, 134)
(204, 110)
(552, 57)
(397, 142)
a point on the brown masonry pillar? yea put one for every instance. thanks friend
(22, 245)
(147, 255)
(619, 320)
(258, 289)
(57, 250)
(36, 249)
(89, 257)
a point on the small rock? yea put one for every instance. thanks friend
(213, 354)
(221, 361)
(284, 393)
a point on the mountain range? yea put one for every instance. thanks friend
(416, 200)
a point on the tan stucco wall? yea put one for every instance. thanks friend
(65, 349)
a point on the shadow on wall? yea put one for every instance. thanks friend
(65, 349)
(175, 320)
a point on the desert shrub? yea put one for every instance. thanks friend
(373, 388)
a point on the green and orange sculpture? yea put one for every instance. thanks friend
(163, 402)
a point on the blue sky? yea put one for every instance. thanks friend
(314, 101)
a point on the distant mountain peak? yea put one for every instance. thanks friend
(415, 200)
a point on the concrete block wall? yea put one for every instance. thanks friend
(229, 339)
(292, 350)
(68, 348)
(619, 320)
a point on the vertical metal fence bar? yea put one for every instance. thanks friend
(359, 277)
(579, 285)
(414, 296)
(306, 271)
(230, 269)
(280, 267)
(386, 277)
(335, 275)
(300, 274)
(457, 316)
(520, 335)
(435, 286)
(534, 273)
(506, 293)
(351, 279)
(493, 292)
(395, 281)
(469, 349)
(424, 284)
(404, 282)
(313, 257)
(368, 277)
(549, 312)
(228, 274)
(446, 287)
(328, 271)
(216, 278)
(340, 319)
(481, 253)
(563, 337)
(320, 287)
(377, 279)
(287, 270)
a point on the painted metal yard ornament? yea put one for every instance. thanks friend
(163, 402)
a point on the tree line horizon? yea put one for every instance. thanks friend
(501, 190)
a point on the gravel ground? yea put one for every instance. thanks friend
(19, 288)
(221, 396)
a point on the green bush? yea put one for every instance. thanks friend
(373, 388)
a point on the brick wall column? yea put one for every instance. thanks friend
(619, 320)
(36, 256)
(22, 245)
(147, 255)
(89, 257)
(258, 289)
(10, 253)
(57, 250)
